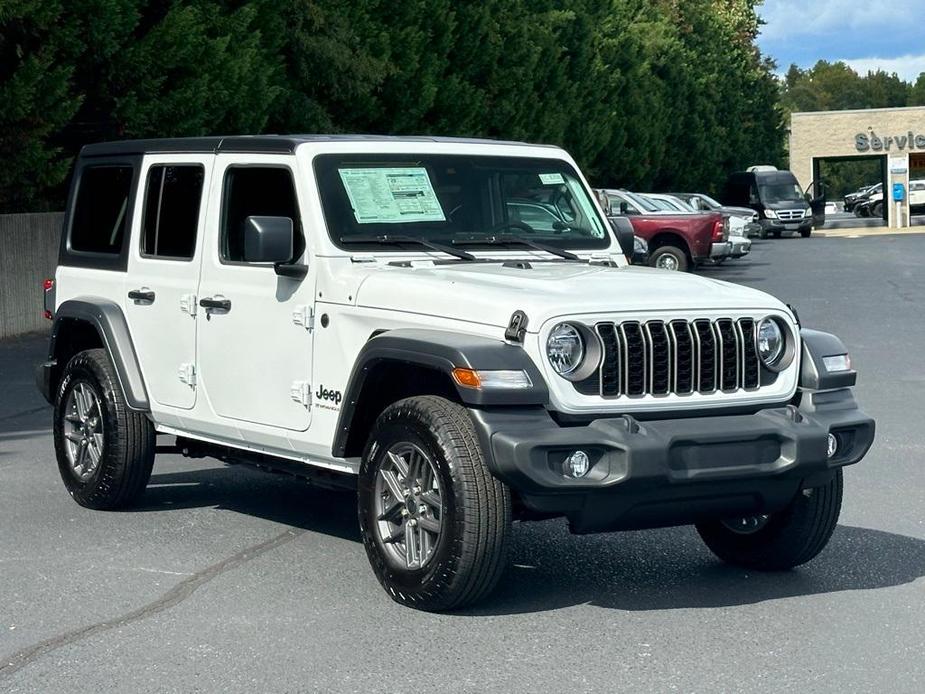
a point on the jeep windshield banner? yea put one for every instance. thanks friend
(391, 195)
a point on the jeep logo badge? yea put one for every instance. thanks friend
(334, 396)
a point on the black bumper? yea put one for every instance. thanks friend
(43, 379)
(778, 227)
(673, 471)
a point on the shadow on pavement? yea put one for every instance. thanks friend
(550, 569)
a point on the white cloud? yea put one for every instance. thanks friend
(908, 67)
(789, 18)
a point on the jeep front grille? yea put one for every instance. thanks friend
(679, 356)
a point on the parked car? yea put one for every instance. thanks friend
(831, 208)
(917, 196)
(852, 199)
(777, 197)
(704, 203)
(677, 241)
(364, 313)
(740, 244)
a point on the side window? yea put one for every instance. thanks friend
(753, 195)
(257, 191)
(100, 211)
(172, 198)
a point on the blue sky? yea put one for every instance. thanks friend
(866, 34)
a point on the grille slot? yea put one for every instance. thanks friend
(679, 356)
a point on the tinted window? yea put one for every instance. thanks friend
(172, 201)
(255, 191)
(101, 209)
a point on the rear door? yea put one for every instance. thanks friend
(255, 352)
(163, 273)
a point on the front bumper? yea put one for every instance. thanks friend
(673, 471)
(769, 226)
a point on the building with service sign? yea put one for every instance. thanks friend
(893, 136)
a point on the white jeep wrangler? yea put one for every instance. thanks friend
(449, 326)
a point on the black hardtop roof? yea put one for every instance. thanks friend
(282, 144)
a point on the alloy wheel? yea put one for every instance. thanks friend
(83, 430)
(408, 506)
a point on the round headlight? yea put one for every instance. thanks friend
(770, 339)
(565, 349)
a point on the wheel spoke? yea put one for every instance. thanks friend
(431, 525)
(399, 464)
(73, 418)
(397, 536)
(425, 541)
(74, 437)
(392, 482)
(411, 546)
(79, 399)
(393, 513)
(81, 458)
(432, 499)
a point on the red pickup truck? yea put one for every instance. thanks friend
(676, 241)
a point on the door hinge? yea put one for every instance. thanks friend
(304, 316)
(188, 304)
(301, 392)
(187, 374)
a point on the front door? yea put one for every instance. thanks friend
(255, 342)
(163, 273)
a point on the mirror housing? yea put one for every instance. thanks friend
(268, 239)
(624, 207)
(623, 229)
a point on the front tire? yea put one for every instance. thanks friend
(781, 540)
(434, 522)
(669, 258)
(805, 233)
(105, 451)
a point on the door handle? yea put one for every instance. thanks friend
(143, 294)
(217, 304)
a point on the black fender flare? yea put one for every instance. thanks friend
(813, 373)
(442, 351)
(109, 321)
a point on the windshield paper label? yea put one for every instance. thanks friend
(391, 195)
(549, 179)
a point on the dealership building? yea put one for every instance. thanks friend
(895, 137)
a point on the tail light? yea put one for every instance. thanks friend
(48, 289)
(719, 230)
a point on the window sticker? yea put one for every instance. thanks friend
(550, 179)
(391, 195)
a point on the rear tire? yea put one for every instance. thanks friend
(669, 258)
(780, 540)
(423, 481)
(105, 451)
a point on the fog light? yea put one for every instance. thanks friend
(577, 464)
(833, 445)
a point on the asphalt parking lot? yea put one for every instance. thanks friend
(230, 579)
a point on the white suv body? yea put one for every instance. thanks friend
(310, 362)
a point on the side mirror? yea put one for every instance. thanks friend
(623, 229)
(624, 207)
(268, 239)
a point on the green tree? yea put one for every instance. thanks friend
(36, 102)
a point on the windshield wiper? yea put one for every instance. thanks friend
(400, 239)
(508, 239)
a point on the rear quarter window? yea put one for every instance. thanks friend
(101, 209)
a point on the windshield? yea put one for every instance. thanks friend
(660, 204)
(455, 199)
(780, 192)
(641, 202)
(710, 202)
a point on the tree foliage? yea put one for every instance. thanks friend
(644, 93)
(836, 86)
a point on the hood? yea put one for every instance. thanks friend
(488, 292)
(747, 212)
